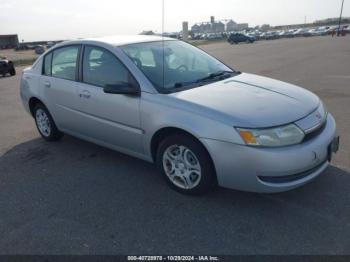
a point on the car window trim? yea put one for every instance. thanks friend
(76, 62)
(43, 65)
(81, 66)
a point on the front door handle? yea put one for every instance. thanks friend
(47, 84)
(85, 94)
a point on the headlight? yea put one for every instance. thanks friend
(322, 111)
(272, 137)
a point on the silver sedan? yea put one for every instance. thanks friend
(201, 122)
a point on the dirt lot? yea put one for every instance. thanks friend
(13, 55)
(73, 197)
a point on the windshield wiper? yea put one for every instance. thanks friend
(214, 75)
(223, 74)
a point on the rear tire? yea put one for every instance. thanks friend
(186, 165)
(45, 124)
(12, 71)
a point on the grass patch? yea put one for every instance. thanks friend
(24, 62)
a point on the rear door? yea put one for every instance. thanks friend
(112, 119)
(59, 86)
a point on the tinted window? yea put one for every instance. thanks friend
(64, 62)
(47, 64)
(101, 68)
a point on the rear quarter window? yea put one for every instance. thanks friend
(47, 64)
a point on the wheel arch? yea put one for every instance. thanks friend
(166, 131)
(160, 134)
(33, 101)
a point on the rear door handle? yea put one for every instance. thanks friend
(47, 84)
(85, 94)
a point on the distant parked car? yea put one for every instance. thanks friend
(39, 49)
(238, 38)
(50, 44)
(302, 32)
(271, 36)
(196, 37)
(298, 32)
(282, 34)
(254, 35)
(213, 36)
(6, 67)
(306, 33)
(290, 34)
(318, 32)
(20, 47)
(31, 47)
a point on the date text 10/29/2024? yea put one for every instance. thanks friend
(173, 258)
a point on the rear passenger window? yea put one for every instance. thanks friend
(101, 68)
(47, 64)
(64, 62)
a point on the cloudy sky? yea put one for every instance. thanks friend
(68, 19)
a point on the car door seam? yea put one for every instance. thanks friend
(118, 124)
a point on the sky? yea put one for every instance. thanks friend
(35, 20)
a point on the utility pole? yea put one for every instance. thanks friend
(341, 12)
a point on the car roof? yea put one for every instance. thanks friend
(119, 40)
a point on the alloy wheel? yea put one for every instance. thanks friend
(43, 122)
(182, 166)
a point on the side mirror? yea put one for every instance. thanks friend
(122, 88)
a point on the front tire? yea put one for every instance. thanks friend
(45, 124)
(186, 165)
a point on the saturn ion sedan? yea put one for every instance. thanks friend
(201, 122)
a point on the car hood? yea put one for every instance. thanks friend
(248, 100)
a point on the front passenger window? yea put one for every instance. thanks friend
(101, 68)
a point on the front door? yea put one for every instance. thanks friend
(112, 119)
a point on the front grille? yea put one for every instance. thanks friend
(290, 178)
(315, 132)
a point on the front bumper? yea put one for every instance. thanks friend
(269, 170)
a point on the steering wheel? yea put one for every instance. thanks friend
(182, 68)
(137, 62)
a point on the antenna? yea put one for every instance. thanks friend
(163, 11)
(341, 12)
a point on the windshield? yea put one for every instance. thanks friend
(185, 66)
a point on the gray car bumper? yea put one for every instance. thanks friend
(268, 170)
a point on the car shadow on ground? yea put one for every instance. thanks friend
(74, 197)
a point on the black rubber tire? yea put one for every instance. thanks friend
(208, 176)
(55, 134)
(12, 71)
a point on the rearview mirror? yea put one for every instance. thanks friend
(122, 88)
